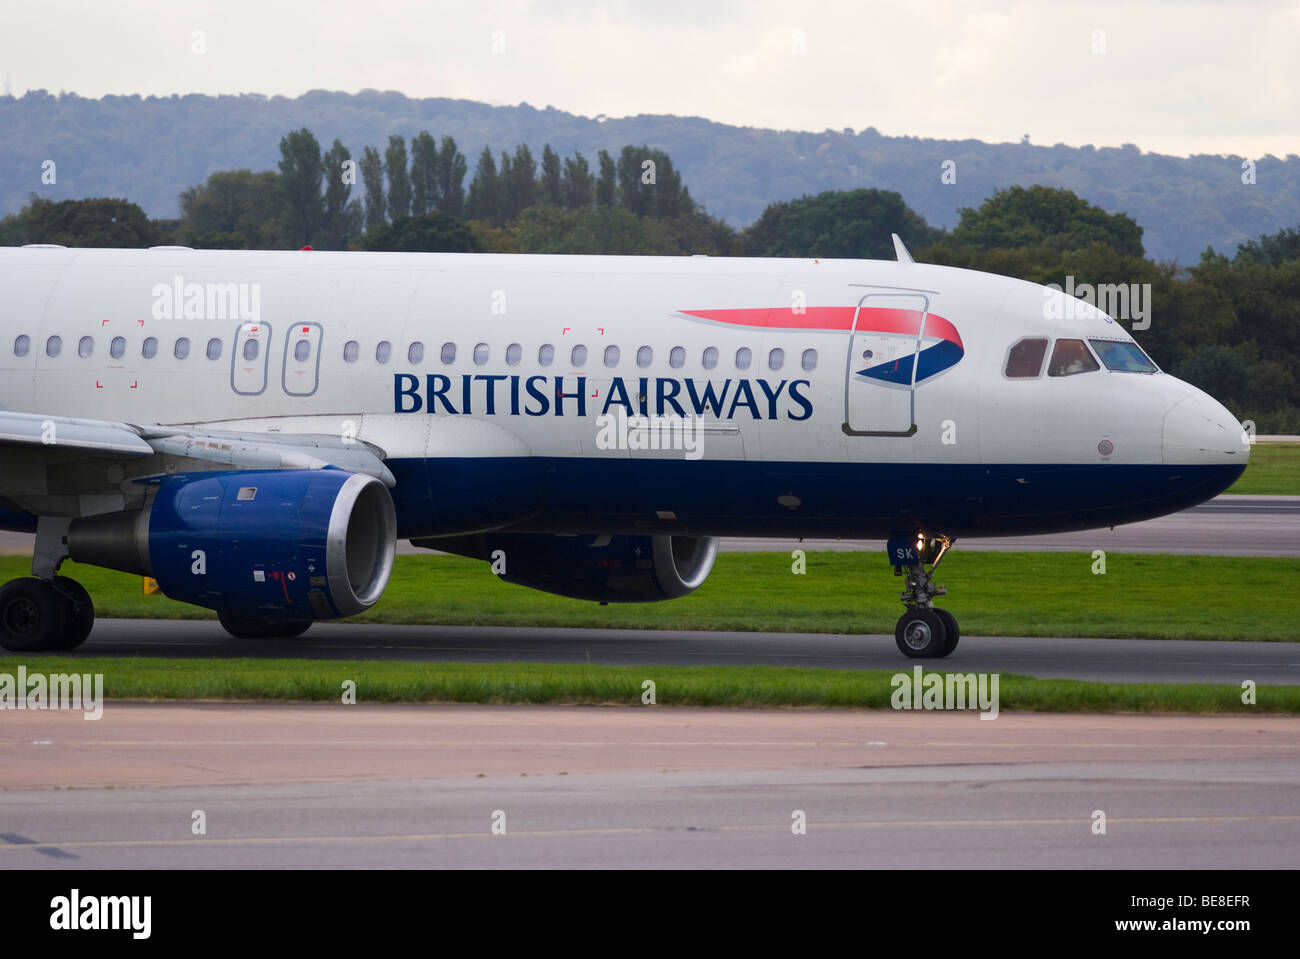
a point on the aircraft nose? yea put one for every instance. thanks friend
(1199, 429)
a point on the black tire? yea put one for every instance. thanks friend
(249, 627)
(920, 634)
(33, 616)
(288, 628)
(79, 612)
(951, 629)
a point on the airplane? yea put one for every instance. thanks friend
(256, 430)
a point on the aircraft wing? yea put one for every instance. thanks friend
(33, 430)
(65, 466)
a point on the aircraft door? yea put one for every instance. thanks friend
(249, 359)
(301, 374)
(880, 372)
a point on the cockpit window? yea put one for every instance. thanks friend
(1070, 357)
(1123, 356)
(1026, 358)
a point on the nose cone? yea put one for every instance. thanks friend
(1198, 430)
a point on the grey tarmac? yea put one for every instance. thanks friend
(1106, 660)
(643, 787)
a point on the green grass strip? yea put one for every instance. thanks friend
(992, 594)
(1274, 470)
(536, 683)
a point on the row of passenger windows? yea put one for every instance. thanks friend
(1025, 359)
(149, 347)
(611, 357)
(514, 353)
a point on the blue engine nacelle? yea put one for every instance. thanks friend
(605, 569)
(274, 544)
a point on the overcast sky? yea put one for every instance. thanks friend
(1170, 76)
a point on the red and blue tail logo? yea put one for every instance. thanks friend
(885, 338)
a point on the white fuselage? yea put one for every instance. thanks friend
(453, 364)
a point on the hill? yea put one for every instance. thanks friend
(150, 149)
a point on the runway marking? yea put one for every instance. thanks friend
(549, 743)
(643, 830)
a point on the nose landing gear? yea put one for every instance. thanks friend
(924, 631)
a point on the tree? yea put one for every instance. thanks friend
(579, 184)
(301, 174)
(452, 168)
(523, 175)
(342, 216)
(546, 229)
(423, 233)
(97, 222)
(1219, 370)
(1045, 216)
(424, 173)
(485, 191)
(552, 180)
(649, 185)
(234, 210)
(372, 174)
(853, 224)
(1272, 250)
(606, 183)
(399, 181)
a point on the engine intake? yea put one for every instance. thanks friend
(606, 569)
(291, 544)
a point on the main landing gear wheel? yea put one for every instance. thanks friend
(33, 616)
(921, 634)
(249, 627)
(924, 631)
(79, 611)
(38, 615)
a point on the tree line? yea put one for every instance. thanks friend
(413, 196)
(1230, 324)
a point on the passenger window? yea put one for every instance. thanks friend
(480, 354)
(302, 350)
(677, 357)
(449, 353)
(54, 346)
(182, 348)
(149, 348)
(414, 353)
(22, 345)
(351, 350)
(85, 347)
(383, 351)
(776, 359)
(1070, 357)
(578, 357)
(809, 360)
(251, 349)
(611, 356)
(214, 348)
(1025, 361)
(545, 355)
(710, 358)
(743, 358)
(514, 353)
(644, 357)
(117, 348)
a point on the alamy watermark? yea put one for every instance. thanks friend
(921, 690)
(1119, 301)
(84, 691)
(179, 300)
(618, 431)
